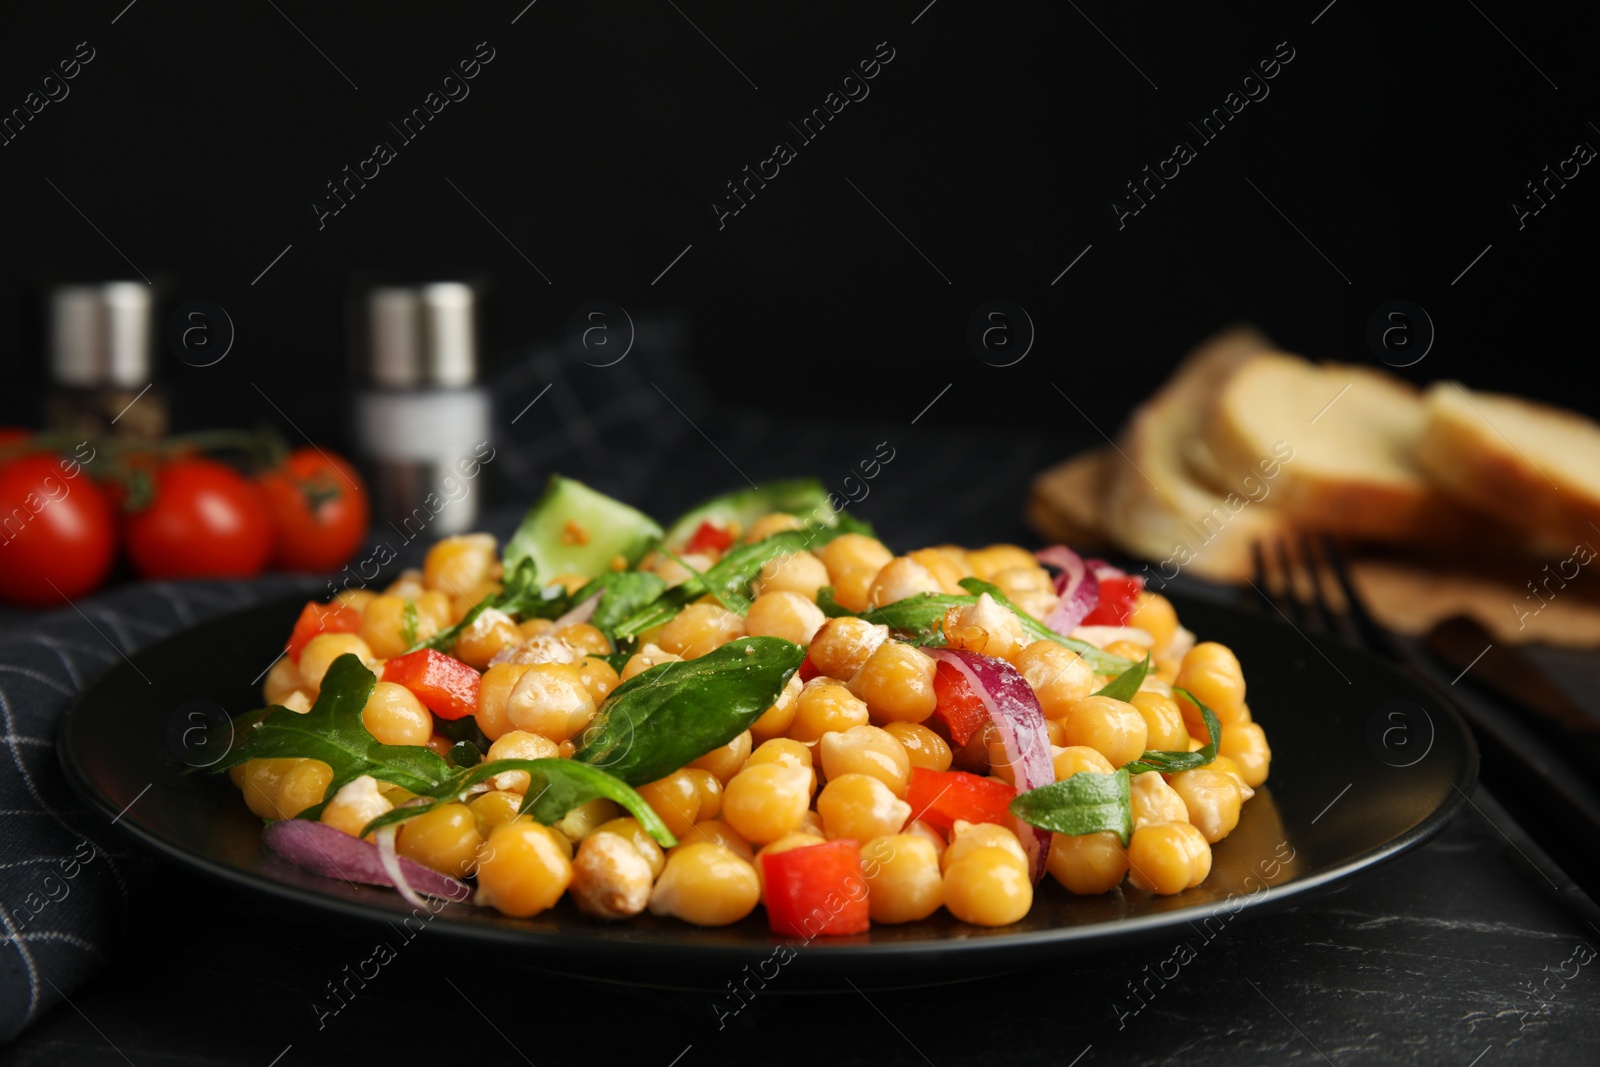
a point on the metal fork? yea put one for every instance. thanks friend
(1305, 579)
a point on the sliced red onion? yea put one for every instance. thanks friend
(1101, 569)
(391, 865)
(581, 612)
(1078, 592)
(1014, 710)
(332, 853)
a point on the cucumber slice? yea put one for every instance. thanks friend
(804, 498)
(575, 530)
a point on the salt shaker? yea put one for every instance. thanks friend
(101, 362)
(422, 420)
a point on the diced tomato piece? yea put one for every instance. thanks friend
(445, 685)
(818, 889)
(942, 797)
(962, 710)
(710, 538)
(321, 619)
(1117, 597)
(808, 670)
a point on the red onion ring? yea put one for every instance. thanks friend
(581, 612)
(1014, 710)
(1079, 595)
(332, 853)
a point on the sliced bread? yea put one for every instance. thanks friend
(1527, 464)
(1064, 501)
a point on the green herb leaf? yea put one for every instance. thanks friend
(465, 754)
(674, 713)
(333, 733)
(625, 593)
(1086, 803)
(829, 605)
(1124, 685)
(1102, 662)
(557, 786)
(1173, 762)
(804, 498)
(408, 623)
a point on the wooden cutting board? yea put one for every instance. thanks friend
(1548, 600)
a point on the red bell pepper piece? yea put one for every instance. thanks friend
(1117, 597)
(816, 890)
(808, 670)
(445, 685)
(962, 710)
(941, 797)
(709, 538)
(321, 619)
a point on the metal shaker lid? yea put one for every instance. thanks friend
(101, 335)
(423, 335)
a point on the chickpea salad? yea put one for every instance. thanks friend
(760, 706)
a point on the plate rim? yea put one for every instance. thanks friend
(1085, 936)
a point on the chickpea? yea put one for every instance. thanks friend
(1077, 758)
(860, 806)
(584, 819)
(383, 625)
(1155, 801)
(990, 561)
(1163, 722)
(283, 679)
(768, 800)
(598, 678)
(1231, 769)
(800, 573)
(1129, 650)
(787, 751)
(1056, 731)
(987, 888)
(1246, 745)
(518, 744)
(776, 720)
(1211, 672)
(1167, 858)
(901, 577)
(260, 781)
(523, 868)
(437, 608)
(1088, 864)
(1112, 727)
(1154, 614)
(493, 808)
(458, 563)
(628, 828)
(904, 883)
(550, 699)
(676, 798)
(897, 683)
(489, 634)
(924, 748)
(825, 706)
(1059, 676)
(408, 586)
(923, 829)
(531, 628)
(323, 649)
(649, 655)
(725, 762)
(866, 750)
(947, 568)
(356, 803)
(966, 837)
(773, 522)
(853, 562)
(786, 615)
(708, 787)
(700, 628)
(1213, 800)
(444, 839)
(494, 693)
(299, 701)
(395, 716)
(986, 628)
(1030, 588)
(303, 785)
(707, 885)
(610, 880)
(842, 645)
(353, 598)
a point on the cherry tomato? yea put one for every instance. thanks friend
(11, 435)
(206, 521)
(319, 510)
(57, 531)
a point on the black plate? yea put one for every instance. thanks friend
(1367, 763)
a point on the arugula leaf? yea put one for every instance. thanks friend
(557, 786)
(733, 601)
(333, 733)
(802, 497)
(1172, 762)
(829, 605)
(1086, 803)
(408, 623)
(674, 713)
(1124, 685)
(1102, 662)
(465, 754)
(626, 592)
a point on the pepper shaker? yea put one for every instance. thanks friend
(101, 362)
(422, 419)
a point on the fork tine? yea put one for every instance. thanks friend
(1316, 570)
(1296, 610)
(1368, 631)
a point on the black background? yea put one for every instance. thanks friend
(995, 139)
